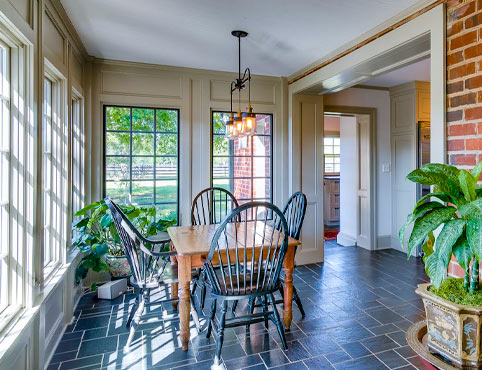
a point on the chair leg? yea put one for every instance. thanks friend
(133, 311)
(137, 316)
(264, 303)
(251, 304)
(195, 315)
(297, 299)
(277, 321)
(203, 296)
(212, 314)
(233, 309)
(220, 334)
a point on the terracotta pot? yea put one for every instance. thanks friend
(453, 329)
(118, 266)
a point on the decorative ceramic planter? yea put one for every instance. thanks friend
(118, 266)
(453, 329)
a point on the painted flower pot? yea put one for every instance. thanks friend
(118, 266)
(453, 329)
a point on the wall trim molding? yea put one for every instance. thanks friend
(384, 242)
(345, 239)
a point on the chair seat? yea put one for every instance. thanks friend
(169, 276)
(232, 283)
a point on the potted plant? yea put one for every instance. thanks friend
(453, 306)
(96, 235)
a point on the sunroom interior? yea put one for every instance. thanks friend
(118, 118)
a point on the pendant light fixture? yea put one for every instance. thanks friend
(241, 124)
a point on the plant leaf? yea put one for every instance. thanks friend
(428, 222)
(474, 236)
(467, 184)
(472, 209)
(476, 171)
(451, 172)
(444, 182)
(427, 247)
(106, 220)
(437, 263)
(442, 196)
(87, 208)
(462, 252)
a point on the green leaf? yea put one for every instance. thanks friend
(436, 264)
(472, 209)
(427, 247)
(81, 223)
(443, 182)
(474, 236)
(106, 220)
(476, 171)
(100, 250)
(133, 213)
(467, 184)
(442, 196)
(478, 192)
(429, 222)
(87, 208)
(451, 172)
(462, 252)
(417, 212)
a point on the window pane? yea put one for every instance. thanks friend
(242, 146)
(261, 145)
(143, 167)
(329, 168)
(166, 191)
(336, 141)
(221, 167)
(166, 211)
(118, 191)
(143, 192)
(336, 149)
(142, 144)
(241, 167)
(261, 166)
(328, 141)
(166, 120)
(219, 120)
(117, 143)
(261, 188)
(223, 183)
(142, 119)
(328, 149)
(242, 189)
(166, 144)
(220, 145)
(118, 118)
(166, 168)
(263, 124)
(117, 168)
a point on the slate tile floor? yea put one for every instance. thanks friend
(358, 306)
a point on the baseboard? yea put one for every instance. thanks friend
(384, 242)
(345, 239)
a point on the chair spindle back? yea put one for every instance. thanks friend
(212, 205)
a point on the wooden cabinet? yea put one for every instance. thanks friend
(331, 197)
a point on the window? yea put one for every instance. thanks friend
(77, 153)
(244, 166)
(5, 168)
(332, 154)
(55, 168)
(141, 157)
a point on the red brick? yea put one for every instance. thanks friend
(473, 82)
(454, 115)
(457, 271)
(455, 28)
(473, 113)
(455, 58)
(461, 12)
(458, 144)
(472, 51)
(463, 40)
(469, 98)
(479, 128)
(474, 144)
(479, 5)
(462, 130)
(455, 87)
(462, 70)
(463, 159)
(473, 21)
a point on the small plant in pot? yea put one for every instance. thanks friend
(453, 306)
(96, 235)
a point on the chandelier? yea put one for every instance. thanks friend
(244, 124)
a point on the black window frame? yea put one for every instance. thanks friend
(130, 155)
(251, 156)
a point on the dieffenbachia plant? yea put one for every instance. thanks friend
(455, 203)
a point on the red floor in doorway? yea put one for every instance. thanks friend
(331, 234)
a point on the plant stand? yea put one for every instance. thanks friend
(417, 340)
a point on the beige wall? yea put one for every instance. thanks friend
(195, 93)
(44, 29)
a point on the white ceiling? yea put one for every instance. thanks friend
(284, 35)
(419, 71)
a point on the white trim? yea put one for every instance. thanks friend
(345, 239)
(384, 242)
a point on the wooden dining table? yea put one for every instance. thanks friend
(192, 244)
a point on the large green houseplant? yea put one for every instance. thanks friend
(454, 211)
(96, 236)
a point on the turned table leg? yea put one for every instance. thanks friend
(175, 294)
(184, 298)
(288, 264)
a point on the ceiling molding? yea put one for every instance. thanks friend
(346, 49)
(371, 87)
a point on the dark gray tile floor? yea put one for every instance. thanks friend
(358, 306)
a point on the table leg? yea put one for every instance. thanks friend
(184, 263)
(288, 264)
(175, 294)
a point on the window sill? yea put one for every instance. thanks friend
(20, 321)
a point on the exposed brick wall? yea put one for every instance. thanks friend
(464, 88)
(464, 82)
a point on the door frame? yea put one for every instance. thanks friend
(372, 113)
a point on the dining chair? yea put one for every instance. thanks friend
(294, 212)
(210, 206)
(245, 263)
(149, 265)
